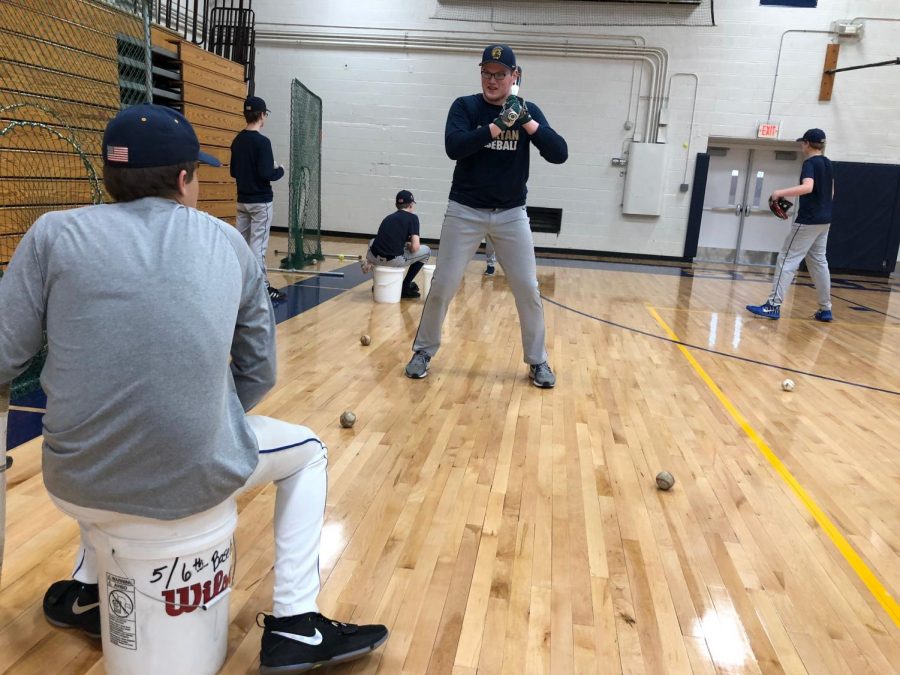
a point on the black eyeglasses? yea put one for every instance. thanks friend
(485, 75)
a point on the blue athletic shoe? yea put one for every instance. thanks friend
(767, 310)
(823, 315)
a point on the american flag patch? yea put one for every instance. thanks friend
(116, 153)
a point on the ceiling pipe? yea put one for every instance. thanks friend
(394, 39)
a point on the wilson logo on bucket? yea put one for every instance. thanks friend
(195, 595)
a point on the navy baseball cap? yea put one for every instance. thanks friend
(255, 104)
(145, 136)
(502, 54)
(813, 136)
(405, 197)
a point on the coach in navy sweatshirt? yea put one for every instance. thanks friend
(490, 135)
(253, 167)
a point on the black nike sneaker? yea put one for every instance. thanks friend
(73, 604)
(293, 644)
(275, 295)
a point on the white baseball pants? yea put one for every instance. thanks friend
(292, 457)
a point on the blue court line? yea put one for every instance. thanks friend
(312, 291)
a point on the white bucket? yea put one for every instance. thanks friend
(427, 274)
(164, 593)
(389, 283)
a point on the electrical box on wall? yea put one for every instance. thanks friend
(848, 28)
(644, 179)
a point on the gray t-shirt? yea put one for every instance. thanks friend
(143, 303)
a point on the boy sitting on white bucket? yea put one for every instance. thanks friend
(149, 381)
(397, 244)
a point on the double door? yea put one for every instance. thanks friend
(737, 225)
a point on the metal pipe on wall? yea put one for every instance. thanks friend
(696, 77)
(395, 39)
(778, 61)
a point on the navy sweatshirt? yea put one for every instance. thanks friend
(815, 208)
(393, 233)
(492, 173)
(253, 166)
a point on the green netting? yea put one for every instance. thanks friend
(66, 68)
(305, 221)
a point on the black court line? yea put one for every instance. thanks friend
(310, 292)
(866, 307)
(725, 354)
(696, 271)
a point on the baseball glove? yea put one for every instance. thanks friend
(780, 207)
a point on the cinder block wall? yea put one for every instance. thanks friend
(385, 108)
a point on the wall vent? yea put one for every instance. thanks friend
(544, 219)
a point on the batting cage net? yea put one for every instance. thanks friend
(305, 222)
(66, 68)
(580, 12)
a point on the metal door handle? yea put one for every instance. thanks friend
(737, 209)
(747, 210)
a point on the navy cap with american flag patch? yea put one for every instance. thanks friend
(145, 136)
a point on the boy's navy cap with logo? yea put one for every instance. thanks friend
(502, 54)
(405, 197)
(255, 104)
(145, 136)
(813, 136)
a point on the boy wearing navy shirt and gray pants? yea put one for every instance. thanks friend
(253, 167)
(809, 234)
(397, 244)
(490, 135)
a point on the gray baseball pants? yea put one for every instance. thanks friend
(463, 229)
(404, 260)
(803, 241)
(254, 222)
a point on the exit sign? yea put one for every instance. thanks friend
(767, 130)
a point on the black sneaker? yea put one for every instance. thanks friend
(410, 292)
(293, 644)
(413, 285)
(275, 295)
(489, 271)
(73, 604)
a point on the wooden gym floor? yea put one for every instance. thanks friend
(499, 528)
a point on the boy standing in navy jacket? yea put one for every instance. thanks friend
(809, 234)
(253, 167)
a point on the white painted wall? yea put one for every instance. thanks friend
(385, 107)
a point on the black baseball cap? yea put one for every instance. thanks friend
(255, 104)
(502, 54)
(145, 136)
(813, 136)
(404, 197)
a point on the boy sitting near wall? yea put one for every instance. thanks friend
(397, 244)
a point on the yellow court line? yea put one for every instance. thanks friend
(850, 555)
